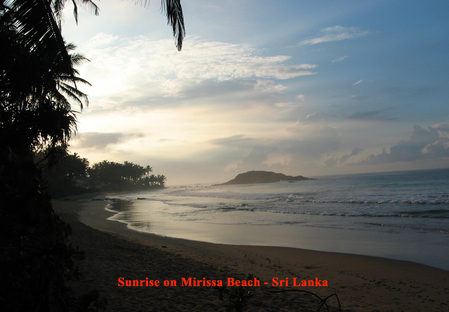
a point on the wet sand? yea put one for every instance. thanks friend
(362, 283)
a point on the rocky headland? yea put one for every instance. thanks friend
(252, 177)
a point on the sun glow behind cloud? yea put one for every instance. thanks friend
(146, 86)
(311, 98)
(134, 63)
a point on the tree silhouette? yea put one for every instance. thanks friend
(36, 110)
(38, 85)
(126, 176)
(38, 77)
(64, 173)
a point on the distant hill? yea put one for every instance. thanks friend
(252, 177)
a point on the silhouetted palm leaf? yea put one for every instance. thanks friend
(175, 19)
(37, 72)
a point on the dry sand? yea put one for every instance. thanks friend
(362, 283)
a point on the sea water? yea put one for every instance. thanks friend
(397, 215)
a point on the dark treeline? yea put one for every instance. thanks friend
(38, 86)
(72, 175)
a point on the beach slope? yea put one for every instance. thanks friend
(362, 283)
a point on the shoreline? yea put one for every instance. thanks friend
(424, 248)
(362, 283)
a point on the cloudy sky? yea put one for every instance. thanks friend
(299, 87)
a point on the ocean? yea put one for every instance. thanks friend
(397, 215)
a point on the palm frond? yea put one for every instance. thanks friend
(39, 32)
(76, 95)
(38, 78)
(78, 59)
(175, 19)
(95, 9)
(76, 79)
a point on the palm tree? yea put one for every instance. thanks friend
(172, 8)
(38, 83)
(39, 21)
(35, 98)
(38, 76)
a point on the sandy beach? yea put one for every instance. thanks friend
(362, 283)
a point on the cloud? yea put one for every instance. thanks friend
(244, 153)
(357, 82)
(284, 104)
(133, 65)
(340, 59)
(330, 163)
(269, 86)
(312, 117)
(360, 97)
(371, 115)
(429, 144)
(442, 129)
(145, 75)
(100, 140)
(232, 141)
(336, 33)
(257, 156)
(354, 152)
(316, 116)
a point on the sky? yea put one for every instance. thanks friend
(299, 87)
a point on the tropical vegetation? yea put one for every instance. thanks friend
(38, 86)
(126, 176)
(73, 175)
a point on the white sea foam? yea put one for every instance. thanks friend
(407, 203)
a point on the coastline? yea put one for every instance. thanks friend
(424, 247)
(362, 283)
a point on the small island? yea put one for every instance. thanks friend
(252, 177)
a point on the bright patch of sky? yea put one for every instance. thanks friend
(299, 87)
